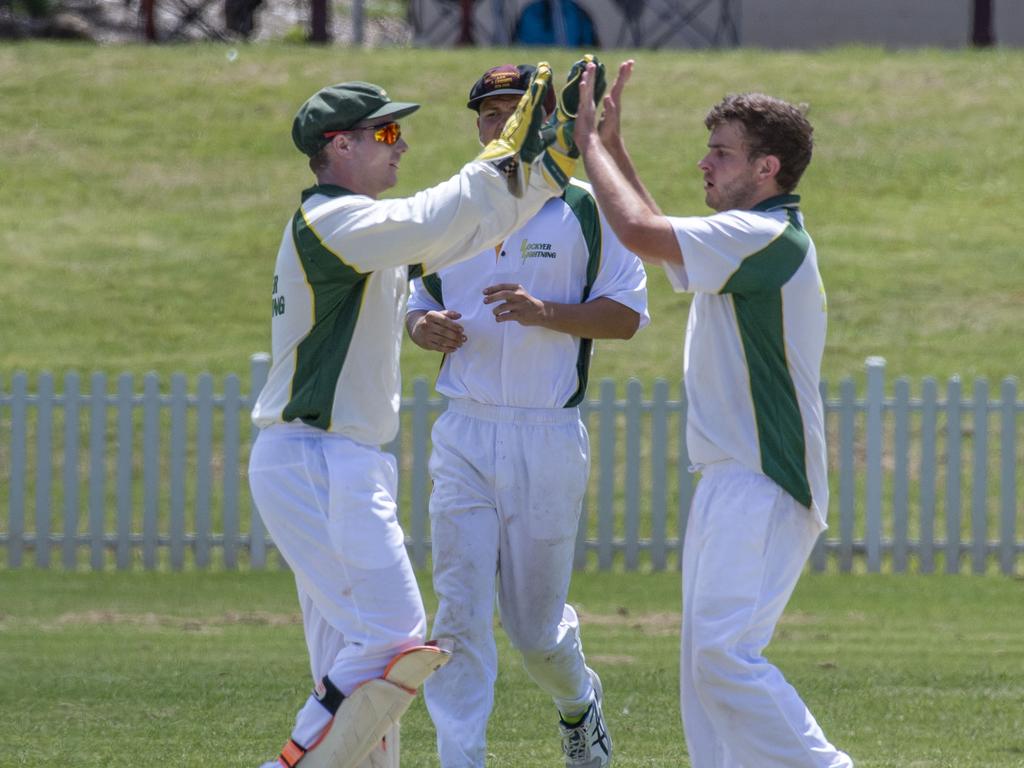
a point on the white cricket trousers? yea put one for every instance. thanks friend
(508, 489)
(329, 504)
(746, 544)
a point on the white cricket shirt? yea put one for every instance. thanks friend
(565, 254)
(340, 284)
(754, 343)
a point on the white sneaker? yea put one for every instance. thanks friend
(587, 743)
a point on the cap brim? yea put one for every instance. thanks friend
(394, 109)
(474, 103)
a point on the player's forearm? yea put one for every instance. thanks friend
(447, 223)
(601, 318)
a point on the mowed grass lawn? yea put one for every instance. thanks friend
(144, 669)
(144, 190)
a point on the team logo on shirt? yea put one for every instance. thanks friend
(530, 250)
(278, 307)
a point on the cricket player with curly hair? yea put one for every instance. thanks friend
(755, 424)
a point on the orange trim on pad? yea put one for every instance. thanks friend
(291, 753)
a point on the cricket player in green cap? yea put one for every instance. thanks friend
(324, 489)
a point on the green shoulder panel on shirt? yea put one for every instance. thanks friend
(757, 298)
(771, 268)
(584, 207)
(432, 284)
(337, 299)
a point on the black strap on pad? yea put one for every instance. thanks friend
(329, 695)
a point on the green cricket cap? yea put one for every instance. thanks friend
(342, 107)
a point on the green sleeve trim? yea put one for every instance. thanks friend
(584, 207)
(432, 284)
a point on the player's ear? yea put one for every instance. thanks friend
(342, 143)
(768, 166)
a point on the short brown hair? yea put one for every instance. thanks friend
(771, 127)
(320, 160)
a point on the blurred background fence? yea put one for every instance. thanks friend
(650, 24)
(153, 478)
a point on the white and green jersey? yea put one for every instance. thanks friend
(754, 343)
(340, 285)
(567, 254)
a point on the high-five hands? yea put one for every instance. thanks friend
(520, 142)
(586, 115)
(560, 159)
(609, 128)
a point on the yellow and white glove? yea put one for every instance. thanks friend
(520, 143)
(561, 152)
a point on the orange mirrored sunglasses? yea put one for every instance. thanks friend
(388, 133)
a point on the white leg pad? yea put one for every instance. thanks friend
(362, 720)
(387, 753)
(411, 668)
(373, 709)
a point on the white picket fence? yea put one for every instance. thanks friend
(121, 478)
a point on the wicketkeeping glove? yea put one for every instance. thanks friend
(569, 98)
(521, 142)
(559, 162)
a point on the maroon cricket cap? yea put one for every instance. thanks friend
(504, 79)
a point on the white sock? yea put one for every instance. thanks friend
(310, 723)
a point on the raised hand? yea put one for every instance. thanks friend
(609, 128)
(569, 97)
(559, 161)
(520, 141)
(586, 115)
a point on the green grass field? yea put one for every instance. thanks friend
(143, 192)
(207, 669)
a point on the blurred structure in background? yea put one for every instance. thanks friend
(577, 23)
(683, 24)
(779, 24)
(981, 29)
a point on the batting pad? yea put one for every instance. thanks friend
(388, 751)
(374, 708)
